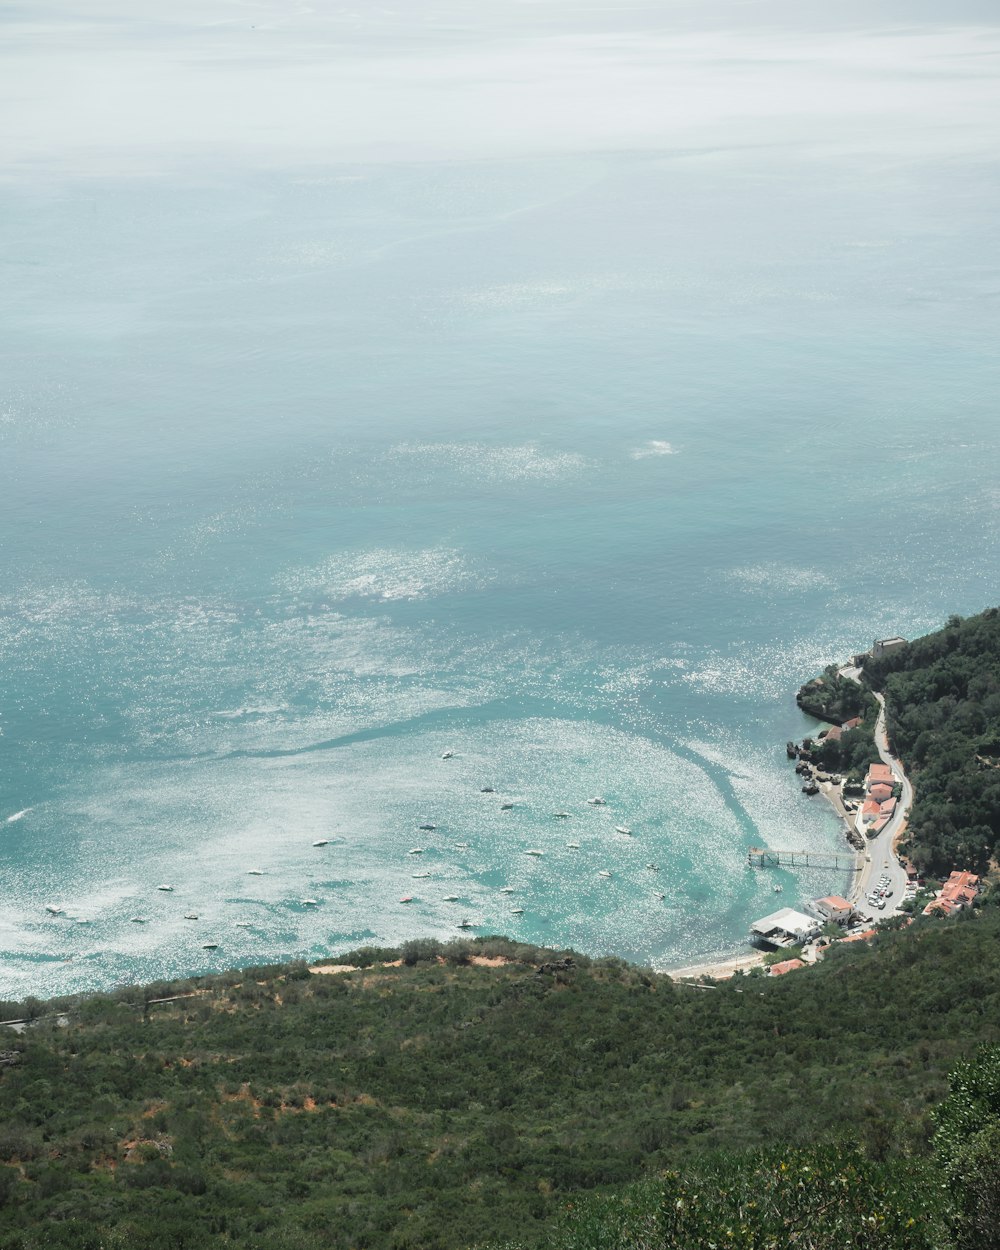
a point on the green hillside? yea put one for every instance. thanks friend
(440, 1104)
(943, 708)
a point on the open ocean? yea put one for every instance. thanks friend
(557, 388)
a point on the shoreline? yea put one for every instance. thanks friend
(718, 967)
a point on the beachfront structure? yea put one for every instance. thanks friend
(958, 892)
(886, 646)
(834, 907)
(786, 927)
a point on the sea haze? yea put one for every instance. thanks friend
(553, 389)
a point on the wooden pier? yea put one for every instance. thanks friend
(841, 861)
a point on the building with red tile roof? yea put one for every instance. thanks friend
(834, 907)
(786, 965)
(866, 936)
(880, 772)
(853, 723)
(957, 892)
(870, 810)
(880, 792)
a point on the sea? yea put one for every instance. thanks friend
(415, 423)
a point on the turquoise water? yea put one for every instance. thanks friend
(574, 464)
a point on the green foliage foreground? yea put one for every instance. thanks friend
(439, 1104)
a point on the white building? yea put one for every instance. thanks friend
(786, 927)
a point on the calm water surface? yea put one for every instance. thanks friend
(566, 447)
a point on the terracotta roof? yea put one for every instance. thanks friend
(880, 824)
(888, 807)
(853, 723)
(880, 791)
(834, 900)
(832, 734)
(861, 937)
(879, 772)
(787, 965)
(869, 810)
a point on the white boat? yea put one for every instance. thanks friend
(653, 867)
(53, 910)
(623, 829)
(451, 898)
(561, 815)
(255, 872)
(415, 850)
(448, 755)
(322, 842)
(465, 924)
(461, 846)
(573, 846)
(597, 801)
(138, 919)
(421, 874)
(604, 873)
(534, 852)
(777, 889)
(167, 889)
(517, 911)
(309, 902)
(407, 898)
(190, 915)
(243, 924)
(507, 889)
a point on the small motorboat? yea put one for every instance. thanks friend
(138, 919)
(309, 902)
(255, 872)
(53, 910)
(421, 874)
(451, 898)
(777, 889)
(465, 924)
(407, 898)
(653, 867)
(167, 889)
(243, 924)
(597, 801)
(573, 846)
(322, 842)
(415, 850)
(461, 846)
(534, 852)
(623, 829)
(427, 828)
(486, 790)
(507, 889)
(190, 915)
(603, 872)
(506, 807)
(448, 755)
(561, 815)
(517, 911)
(210, 946)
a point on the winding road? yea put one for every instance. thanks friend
(880, 857)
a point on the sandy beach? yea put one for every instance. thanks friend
(718, 969)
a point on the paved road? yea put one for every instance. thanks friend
(882, 860)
